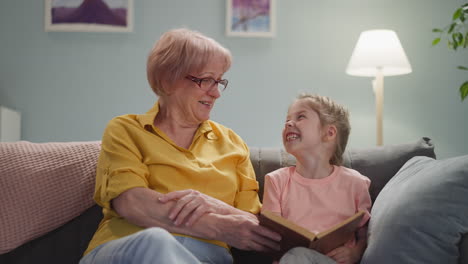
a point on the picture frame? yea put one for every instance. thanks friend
(88, 15)
(251, 18)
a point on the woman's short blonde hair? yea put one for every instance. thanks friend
(179, 52)
(331, 113)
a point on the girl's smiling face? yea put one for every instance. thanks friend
(303, 129)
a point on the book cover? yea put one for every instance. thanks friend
(293, 235)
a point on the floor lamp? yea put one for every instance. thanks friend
(378, 53)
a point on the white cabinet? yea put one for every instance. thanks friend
(10, 125)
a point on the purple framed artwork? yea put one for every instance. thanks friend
(89, 15)
(251, 18)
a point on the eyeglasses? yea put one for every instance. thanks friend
(206, 84)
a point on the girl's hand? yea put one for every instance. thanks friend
(191, 205)
(344, 255)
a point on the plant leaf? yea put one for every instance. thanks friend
(452, 26)
(466, 41)
(461, 39)
(435, 41)
(458, 38)
(455, 41)
(449, 44)
(465, 7)
(457, 14)
(464, 90)
(462, 68)
(437, 30)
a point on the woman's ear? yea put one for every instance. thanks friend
(166, 87)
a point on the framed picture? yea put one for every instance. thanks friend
(89, 15)
(251, 18)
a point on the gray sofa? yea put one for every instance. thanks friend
(51, 227)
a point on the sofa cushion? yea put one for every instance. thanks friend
(421, 214)
(44, 185)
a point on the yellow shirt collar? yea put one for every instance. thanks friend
(147, 120)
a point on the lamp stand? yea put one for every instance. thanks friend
(378, 87)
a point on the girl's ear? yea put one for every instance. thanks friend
(330, 133)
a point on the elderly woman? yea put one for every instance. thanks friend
(176, 187)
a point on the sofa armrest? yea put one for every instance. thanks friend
(65, 244)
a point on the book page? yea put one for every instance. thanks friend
(337, 235)
(292, 235)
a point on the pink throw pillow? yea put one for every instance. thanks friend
(43, 186)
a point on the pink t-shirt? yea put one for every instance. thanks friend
(317, 204)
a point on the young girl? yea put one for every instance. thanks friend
(318, 193)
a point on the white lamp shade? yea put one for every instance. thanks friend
(378, 49)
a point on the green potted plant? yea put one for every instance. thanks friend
(456, 34)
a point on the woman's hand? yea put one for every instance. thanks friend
(235, 227)
(141, 207)
(191, 205)
(344, 255)
(244, 232)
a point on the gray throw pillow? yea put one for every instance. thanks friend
(421, 215)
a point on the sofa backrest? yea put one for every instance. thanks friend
(379, 164)
(45, 185)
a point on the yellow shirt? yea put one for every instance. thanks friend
(135, 153)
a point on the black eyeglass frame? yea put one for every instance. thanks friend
(199, 81)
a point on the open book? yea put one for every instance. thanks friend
(293, 235)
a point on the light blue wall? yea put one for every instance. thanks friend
(68, 85)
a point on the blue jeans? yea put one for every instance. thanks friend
(156, 245)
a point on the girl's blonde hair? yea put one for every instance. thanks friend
(179, 52)
(331, 113)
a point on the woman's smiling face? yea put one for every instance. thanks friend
(195, 103)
